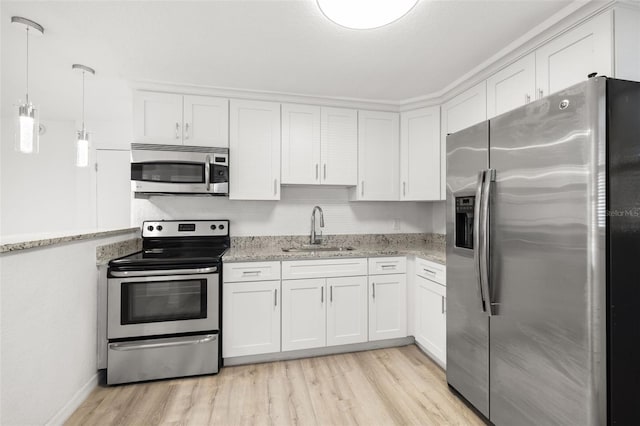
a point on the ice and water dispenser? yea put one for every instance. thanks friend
(464, 222)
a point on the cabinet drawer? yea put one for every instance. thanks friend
(431, 271)
(387, 265)
(251, 271)
(325, 268)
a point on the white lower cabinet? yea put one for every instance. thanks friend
(387, 306)
(250, 318)
(347, 310)
(304, 314)
(431, 317)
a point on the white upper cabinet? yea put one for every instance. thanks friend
(300, 144)
(339, 146)
(571, 57)
(157, 118)
(512, 86)
(206, 121)
(254, 150)
(319, 145)
(171, 119)
(466, 109)
(378, 156)
(420, 154)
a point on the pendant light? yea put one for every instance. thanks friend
(365, 14)
(27, 128)
(82, 136)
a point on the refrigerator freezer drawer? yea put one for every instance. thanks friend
(153, 359)
(431, 271)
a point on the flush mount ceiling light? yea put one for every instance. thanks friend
(365, 14)
(82, 136)
(27, 133)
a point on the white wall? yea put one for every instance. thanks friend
(291, 215)
(48, 317)
(438, 220)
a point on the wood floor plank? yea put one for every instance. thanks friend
(395, 386)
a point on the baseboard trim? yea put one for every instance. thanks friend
(434, 358)
(328, 350)
(72, 405)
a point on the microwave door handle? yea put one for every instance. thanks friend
(476, 237)
(207, 172)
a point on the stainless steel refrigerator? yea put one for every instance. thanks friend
(543, 259)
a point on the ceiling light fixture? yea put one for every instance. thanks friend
(365, 14)
(27, 128)
(82, 136)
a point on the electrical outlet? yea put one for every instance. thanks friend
(396, 224)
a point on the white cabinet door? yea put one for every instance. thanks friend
(387, 306)
(206, 121)
(254, 150)
(339, 146)
(430, 317)
(466, 109)
(347, 310)
(420, 154)
(378, 156)
(300, 144)
(570, 58)
(303, 314)
(157, 118)
(113, 188)
(512, 86)
(250, 318)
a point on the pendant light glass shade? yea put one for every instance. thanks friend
(27, 136)
(365, 14)
(82, 136)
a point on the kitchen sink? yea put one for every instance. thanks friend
(315, 248)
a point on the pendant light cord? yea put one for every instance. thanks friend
(27, 95)
(83, 72)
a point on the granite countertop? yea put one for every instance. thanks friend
(426, 246)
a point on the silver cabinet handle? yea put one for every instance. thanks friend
(256, 273)
(443, 311)
(135, 346)
(275, 187)
(373, 285)
(324, 167)
(125, 274)
(476, 237)
(404, 188)
(362, 188)
(485, 253)
(330, 293)
(317, 166)
(207, 172)
(322, 294)
(186, 131)
(540, 93)
(275, 297)
(177, 130)
(428, 271)
(527, 98)
(388, 266)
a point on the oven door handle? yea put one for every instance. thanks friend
(126, 274)
(207, 172)
(135, 346)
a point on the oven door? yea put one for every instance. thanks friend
(153, 305)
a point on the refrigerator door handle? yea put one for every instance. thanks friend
(485, 251)
(476, 237)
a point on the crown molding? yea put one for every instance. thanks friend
(564, 20)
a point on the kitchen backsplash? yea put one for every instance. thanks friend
(291, 215)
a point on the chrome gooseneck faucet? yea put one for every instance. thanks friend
(314, 238)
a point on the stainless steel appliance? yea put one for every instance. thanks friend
(163, 303)
(543, 222)
(169, 169)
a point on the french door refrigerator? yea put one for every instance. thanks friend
(543, 254)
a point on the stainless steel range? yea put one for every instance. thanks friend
(163, 303)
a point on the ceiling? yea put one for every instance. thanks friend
(266, 45)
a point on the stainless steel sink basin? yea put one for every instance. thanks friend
(315, 248)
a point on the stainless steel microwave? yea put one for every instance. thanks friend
(179, 169)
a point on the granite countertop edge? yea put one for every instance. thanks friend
(276, 254)
(43, 242)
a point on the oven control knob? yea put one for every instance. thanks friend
(221, 227)
(150, 228)
(159, 227)
(213, 227)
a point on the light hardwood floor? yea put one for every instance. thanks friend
(379, 387)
